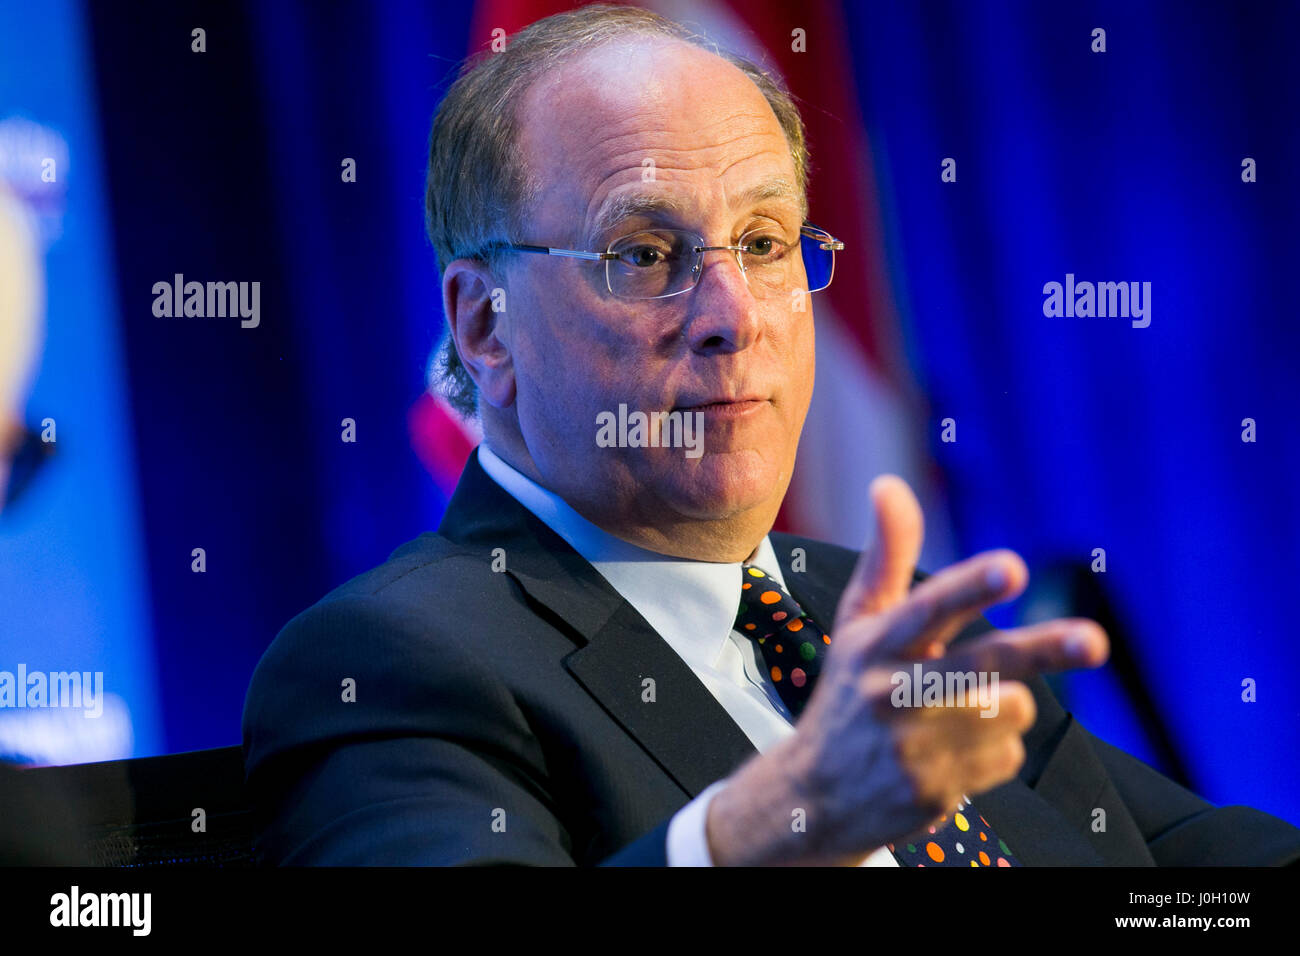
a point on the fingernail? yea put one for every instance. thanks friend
(996, 577)
(1077, 645)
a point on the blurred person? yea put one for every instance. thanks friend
(22, 288)
(39, 823)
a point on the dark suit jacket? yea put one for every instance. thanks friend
(514, 697)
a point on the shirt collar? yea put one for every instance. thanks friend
(691, 604)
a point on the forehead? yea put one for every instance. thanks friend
(592, 129)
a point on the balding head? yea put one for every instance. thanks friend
(477, 191)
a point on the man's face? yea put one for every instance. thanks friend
(721, 167)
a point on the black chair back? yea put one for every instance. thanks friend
(141, 812)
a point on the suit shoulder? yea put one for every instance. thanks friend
(423, 584)
(395, 630)
(427, 556)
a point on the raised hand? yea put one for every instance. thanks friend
(865, 770)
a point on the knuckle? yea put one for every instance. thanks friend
(910, 742)
(873, 688)
(922, 612)
(1017, 703)
(988, 657)
(1013, 753)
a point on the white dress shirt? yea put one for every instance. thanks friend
(691, 605)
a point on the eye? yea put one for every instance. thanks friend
(765, 246)
(645, 250)
(642, 257)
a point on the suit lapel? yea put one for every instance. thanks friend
(683, 727)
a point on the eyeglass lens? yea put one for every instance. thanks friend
(661, 262)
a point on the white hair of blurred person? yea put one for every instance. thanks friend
(22, 329)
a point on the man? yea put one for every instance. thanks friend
(603, 655)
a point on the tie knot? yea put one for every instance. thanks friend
(765, 606)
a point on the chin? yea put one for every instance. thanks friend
(719, 485)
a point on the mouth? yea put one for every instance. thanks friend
(724, 407)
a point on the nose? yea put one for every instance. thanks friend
(724, 315)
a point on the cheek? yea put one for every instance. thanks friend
(803, 346)
(568, 368)
(580, 355)
(795, 346)
(808, 349)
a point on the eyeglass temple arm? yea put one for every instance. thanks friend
(570, 253)
(827, 241)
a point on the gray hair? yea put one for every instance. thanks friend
(476, 184)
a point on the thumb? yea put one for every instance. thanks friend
(883, 574)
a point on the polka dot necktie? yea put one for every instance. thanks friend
(794, 648)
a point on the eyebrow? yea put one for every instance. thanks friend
(627, 205)
(779, 188)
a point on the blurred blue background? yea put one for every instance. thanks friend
(1072, 434)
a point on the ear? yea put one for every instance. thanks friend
(481, 334)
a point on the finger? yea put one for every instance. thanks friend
(1005, 577)
(972, 769)
(952, 754)
(993, 762)
(938, 608)
(883, 574)
(974, 716)
(1025, 652)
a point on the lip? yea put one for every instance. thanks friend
(726, 407)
